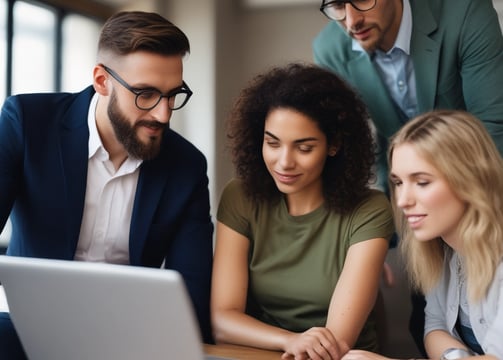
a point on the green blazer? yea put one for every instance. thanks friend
(457, 52)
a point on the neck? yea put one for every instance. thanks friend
(299, 205)
(115, 149)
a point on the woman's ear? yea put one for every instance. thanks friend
(332, 150)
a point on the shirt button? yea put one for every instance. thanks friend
(482, 321)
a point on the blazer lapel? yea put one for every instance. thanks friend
(148, 193)
(74, 158)
(374, 94)
(425, 54)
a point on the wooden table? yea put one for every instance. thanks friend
(241, 352)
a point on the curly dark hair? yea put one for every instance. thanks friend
(332, 104)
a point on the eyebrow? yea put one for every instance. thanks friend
(413, 175)
(147, 87)
(296, 141)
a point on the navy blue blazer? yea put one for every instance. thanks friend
(43, 175)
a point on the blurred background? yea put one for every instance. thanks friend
(51, 45)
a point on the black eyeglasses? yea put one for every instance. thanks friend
(336, 10)
(147, 99)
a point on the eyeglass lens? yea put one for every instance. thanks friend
(148, 99)
(336, 10)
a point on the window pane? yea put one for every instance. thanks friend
(33, 48)
(3, 48)
(80, 41)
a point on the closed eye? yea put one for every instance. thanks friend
(272, 143)
(396, 183)
(305, 148)
(423, 183)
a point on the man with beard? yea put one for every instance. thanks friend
(406, 57)
(99, 175)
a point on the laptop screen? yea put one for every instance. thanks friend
(80, 310)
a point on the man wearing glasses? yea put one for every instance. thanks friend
(99, 175)
(406, 57)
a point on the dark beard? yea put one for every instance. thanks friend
(126, 134)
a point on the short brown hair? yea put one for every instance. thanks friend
(131, 31)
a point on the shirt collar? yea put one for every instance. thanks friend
(94, 137)
(96, 146)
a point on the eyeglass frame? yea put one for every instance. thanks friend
(183, 89)
(325, 5)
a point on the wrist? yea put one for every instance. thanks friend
(456, 353)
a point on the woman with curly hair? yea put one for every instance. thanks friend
(301, 238)
(447, 192)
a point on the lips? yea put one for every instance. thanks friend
(286, 178)
(415, 220)
(152, 128)
(361, 35)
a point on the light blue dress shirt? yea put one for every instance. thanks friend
(396, 68)
(485, 315)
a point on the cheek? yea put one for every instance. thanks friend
(445, 202)
(316, 162)
(267, 155)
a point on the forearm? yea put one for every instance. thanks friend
(437, 341)
(232, 326)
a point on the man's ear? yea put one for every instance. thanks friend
(100, 77)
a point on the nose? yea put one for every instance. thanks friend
(162, 111)
(404, 196)
(353, 17)
(286, 159)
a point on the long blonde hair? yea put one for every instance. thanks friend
(459, 147)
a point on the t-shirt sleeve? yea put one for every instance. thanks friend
(373, 218)
(234, 208)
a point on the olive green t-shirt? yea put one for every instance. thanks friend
(295, 261)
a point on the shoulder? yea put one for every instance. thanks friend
(233, 196)
(178, 162)
(499, 277)
(39, 110)
(177, 149)
(332, 45)
(44, 100)
(443, 10)
(371, 218)
(235, 209)
(375, 200)
(330, 32)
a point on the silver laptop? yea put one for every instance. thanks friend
(80, 310)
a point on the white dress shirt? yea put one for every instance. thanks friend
(110, 193)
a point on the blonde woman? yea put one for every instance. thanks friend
(447, 193)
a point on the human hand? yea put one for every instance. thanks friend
(317, 343)
(363, 355)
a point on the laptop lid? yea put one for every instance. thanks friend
(81, 310)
